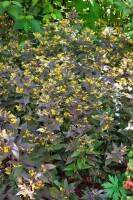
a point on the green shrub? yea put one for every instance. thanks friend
(28, 14)
(66, 98)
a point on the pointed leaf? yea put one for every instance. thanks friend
(35, 25)
(49, 166)
(6, 4)
(17, 3)
(15, 151)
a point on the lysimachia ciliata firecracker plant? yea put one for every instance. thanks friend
(65, 98)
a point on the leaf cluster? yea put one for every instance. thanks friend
(29, 15)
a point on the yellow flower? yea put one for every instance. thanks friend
(37, 35)
(53, 111)
(39, 184)
(84, 98)
(3, 132)
(106, 127)
(32, 172)
(61, 189)
(19, 179)
(13, 120)
(19, 90)
(66, 114)
(123, 149)
(27, 118)
(6, 149)
(7, 171)
(18, 108)
(43, 168)
(60, 120)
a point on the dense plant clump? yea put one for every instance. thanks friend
(65, 110)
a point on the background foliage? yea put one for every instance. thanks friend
(28, 14)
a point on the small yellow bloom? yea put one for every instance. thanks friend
(60, 120)
(13, 120)
(19, 179)
(7, 171)
(3, 132)
(61, 189)
(53, 111)
(19, 90)
(6, 149)
(32, 172)
(18, 108)
(43, 168)
(37, 35)
(106, 127)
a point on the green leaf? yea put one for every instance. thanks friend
(58, 3)
(22, 44)
(130, 33)
(17, 3)
(17, 171)
(35, 25)
(90, 18)
(129, 25)
(58, 14)
(79, 164)
(46, 17)
(48, 9)
(33, 11)
(116, 196)
(2, 189)
(29, 17)
(57, 183)
(14, 11)
(107, 185)
(120, 5)
(53, 15)
(80, 5)
(19, 17)
(75, 153)
(69, 167)
(125, 13)
(6, 3)
(54, 192)
(56, 157)
(85, 166)
(95, 8)
(69, 173)
(114, 180)
(70, 4)
(18, 24)
(2, 9)
(26, 25)
(109, 192)
(34, 2)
